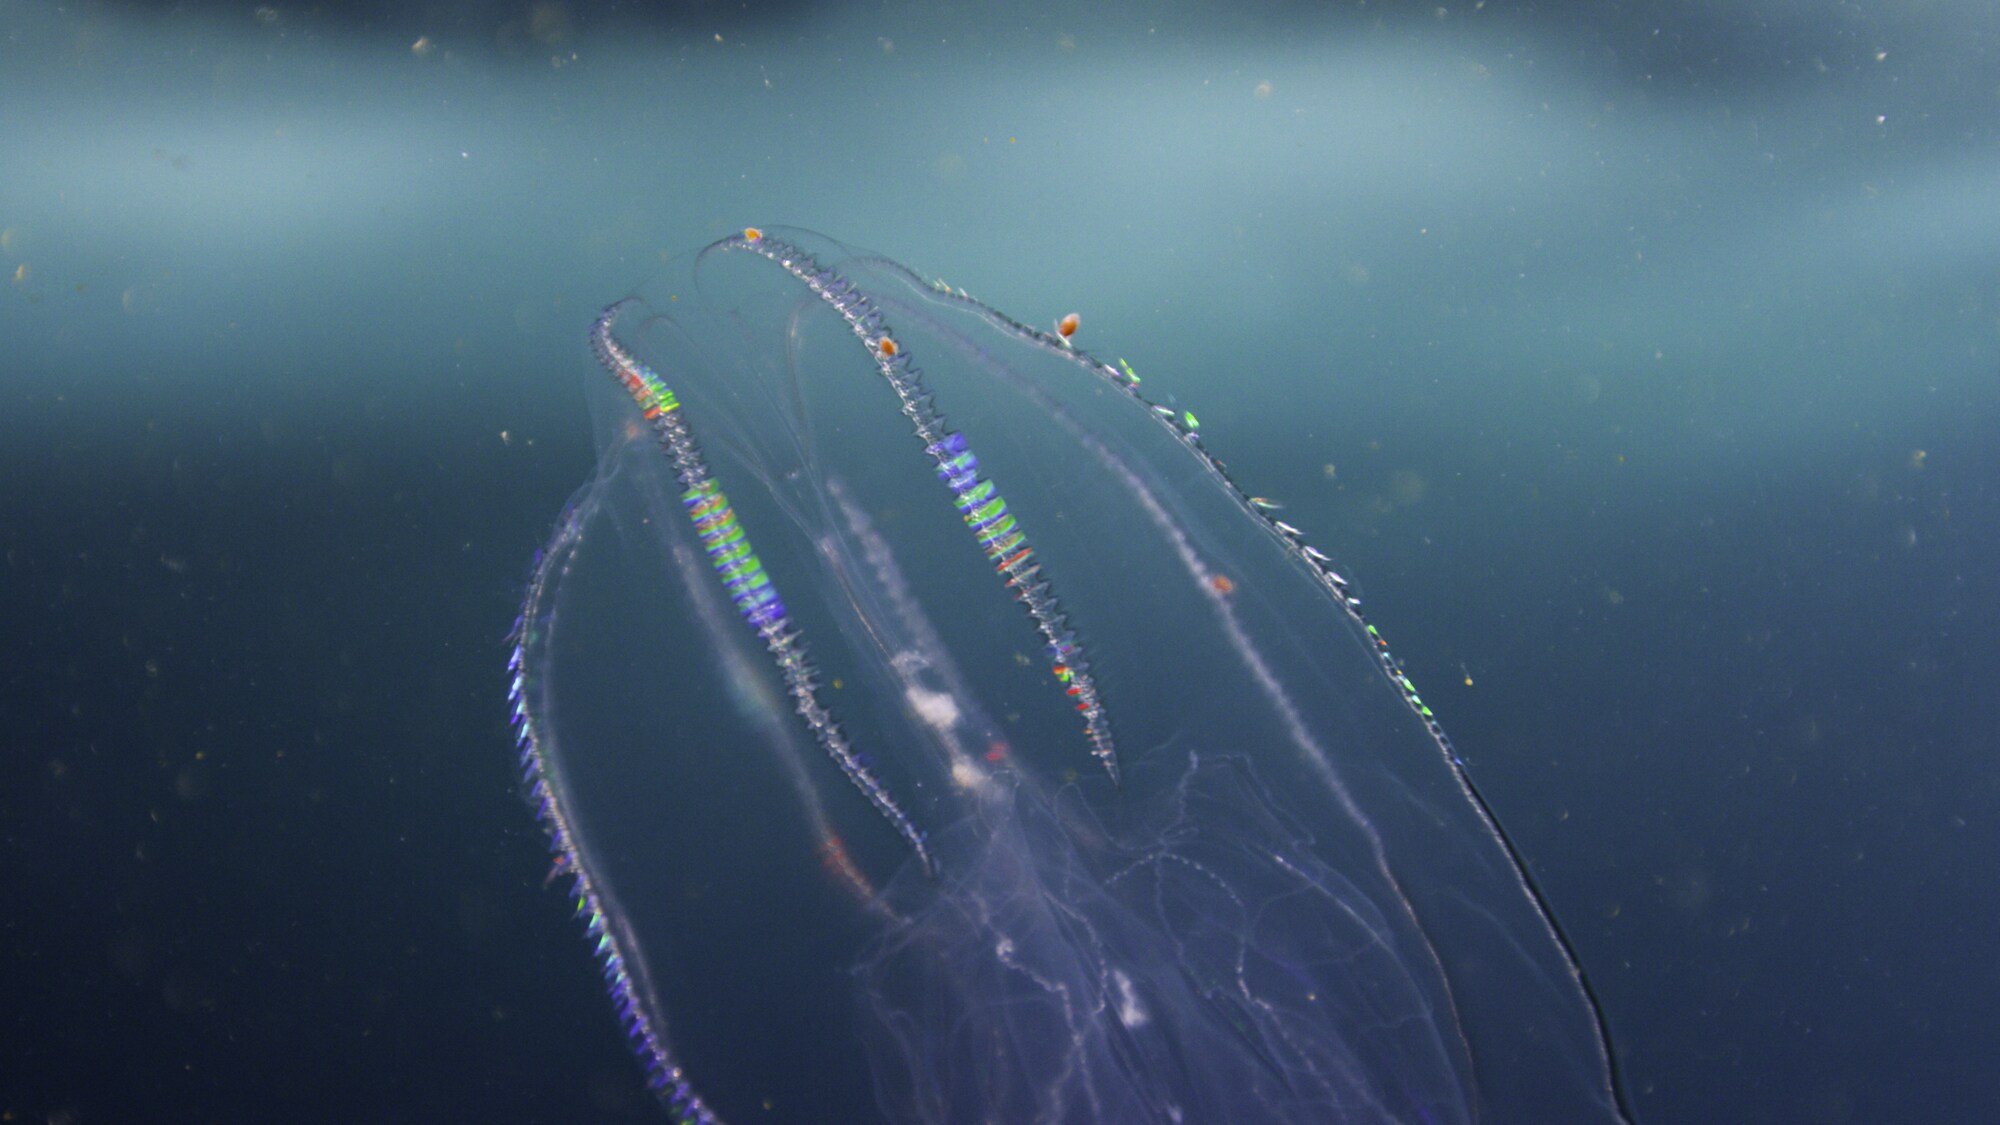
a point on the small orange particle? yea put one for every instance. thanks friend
(1066, 327)
(752, 234)
(887, 346)
(1222, 584)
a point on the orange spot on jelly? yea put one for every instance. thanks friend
(1222, 584)
(834, 858)
(887, 346)
(996, 752)
(1066, 327)
(752, 234)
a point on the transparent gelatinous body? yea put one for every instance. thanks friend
(933, 732)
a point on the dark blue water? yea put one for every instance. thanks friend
(1638, 367)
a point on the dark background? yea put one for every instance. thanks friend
(1638, 362)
